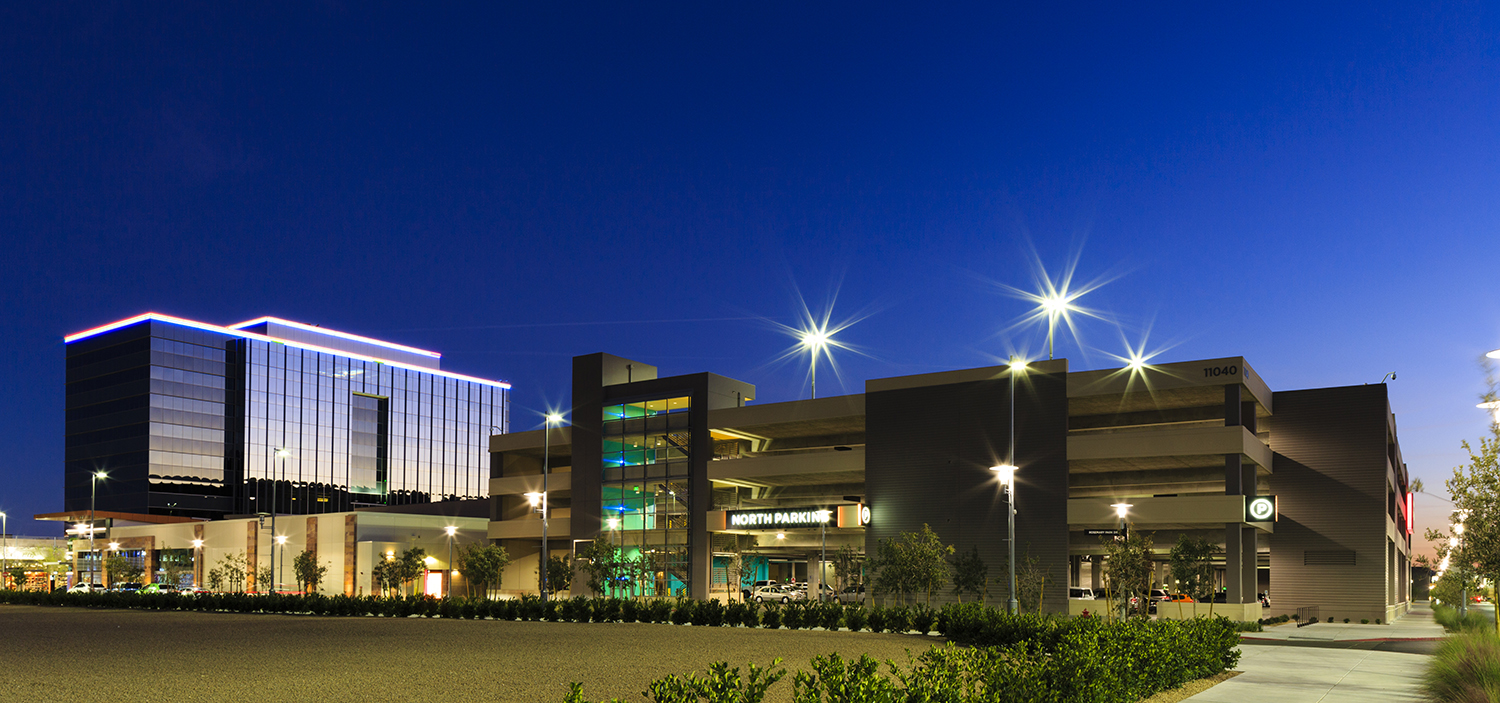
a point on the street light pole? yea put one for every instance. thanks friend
(546, 468)
(5, 549)
(279, 453)
(93, 556)
(1007, 473)
(815, 341)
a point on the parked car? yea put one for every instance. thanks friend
(774, 594)
(1178, 598)
(748, 592)
(130, 587)
(1159, 594)
(1081, 593)
(194, 591)
(851, 595)
(158, 588)
(83, 588)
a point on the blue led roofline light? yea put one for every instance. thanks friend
(263, 338)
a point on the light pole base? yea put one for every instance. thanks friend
(1013, 607)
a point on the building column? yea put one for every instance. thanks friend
(1096, 571)
(1251, 565)
(349, 545)
(252, 563)
(199, 555)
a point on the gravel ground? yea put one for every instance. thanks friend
(82, 656)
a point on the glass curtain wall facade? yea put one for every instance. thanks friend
(202, 421)
(646, 492)
(331, 433)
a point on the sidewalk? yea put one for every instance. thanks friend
(1417, 624)
(1298, 674)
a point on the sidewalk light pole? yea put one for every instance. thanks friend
(546, 469)
(93, 556)
(1007, 472)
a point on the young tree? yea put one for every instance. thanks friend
(1032, 580)
(848, 567)
(1191, 564)
(559, 574)
(914, 562)
(122, 570)
(481, 565)
(970, 574)
(230, 573)
(263, 579)
(604, 566)
(309, 573)
(1128, 568)
(1470, 548)
(385, 576)
(409, 567)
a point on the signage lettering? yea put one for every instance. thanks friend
(777, 518)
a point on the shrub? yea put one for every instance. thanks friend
(750, 617)
(831, 614)
(721, 685)
(735, 614)
(921, 619)
(551, 610)
(661, 610)
(877, 619)
(582, 609)
(628, 612)
(898, 619)
(606, 610)
(1364, 621)
(770, 618)
(1346, 620)
(855, 617)
(682, 611)
(791, 614)
(713, 613)
(1465, 668)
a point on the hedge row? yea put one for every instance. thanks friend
(795, 615)
(1016, 657)
(1088, 667)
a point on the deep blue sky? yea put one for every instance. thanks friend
(1312, 188)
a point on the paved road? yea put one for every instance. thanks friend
(108, 656)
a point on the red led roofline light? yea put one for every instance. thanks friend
(336, 333)
(287, 342)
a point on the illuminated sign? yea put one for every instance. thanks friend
(1260, 509)
(857, 515)
(751, 519)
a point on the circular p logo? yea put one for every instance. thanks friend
(1261, 509)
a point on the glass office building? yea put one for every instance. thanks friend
(198, 420)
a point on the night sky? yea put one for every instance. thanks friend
(1313, 188)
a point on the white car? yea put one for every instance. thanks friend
(775, 594)
(82, 588)
(1081, 593)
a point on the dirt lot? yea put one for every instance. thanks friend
(83, 656)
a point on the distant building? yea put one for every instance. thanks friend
(1304, 492)
(198, 420)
